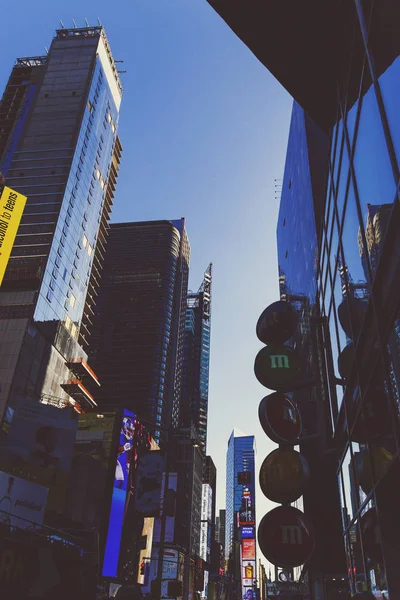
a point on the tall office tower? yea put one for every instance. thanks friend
(59, 146)
(240, 516)
(196, 364)
(140, 319)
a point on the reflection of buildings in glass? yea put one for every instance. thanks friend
(58, 146)
(375, 229)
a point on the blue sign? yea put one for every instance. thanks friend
(248, 533)
(121, 485)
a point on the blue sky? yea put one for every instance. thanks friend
(204, 128)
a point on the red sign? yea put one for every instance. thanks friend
(280, 418)
(277, 368)
(248, 549)
(277, 323)
(286, 537)
(284, 475)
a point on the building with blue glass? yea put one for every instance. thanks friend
(58, 146)
(341, 62)
(240, 512)
(196, 365)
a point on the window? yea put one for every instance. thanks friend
(98, 174)
(72, 300)
(68, 323)
(49, 296)
(85, 241)
(90, 250)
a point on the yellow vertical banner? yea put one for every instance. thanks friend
(12, 206)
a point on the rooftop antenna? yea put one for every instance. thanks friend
(86, 22)
(99, 22)
(45, 49)
(62, 24)
(74, 23)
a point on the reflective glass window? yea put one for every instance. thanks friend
(390, 87)
(373, 171)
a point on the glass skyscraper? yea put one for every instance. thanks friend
(59, 146)
(196, 365)
(240, 488)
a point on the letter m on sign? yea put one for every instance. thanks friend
(291, 534)
(279, 361)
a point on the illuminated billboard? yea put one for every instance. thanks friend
(246, 514)
(248, 532)
(12, 206)
(249, 549)
(132, 442)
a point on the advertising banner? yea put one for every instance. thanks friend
(133, 442)
(148, 483)
(248, 532)
(121, 484)
(169, 519)
(145, 553)
(246, 512)
(249, 549)
(12, 206)
(21, 502)
(203, 540)
(40, 446)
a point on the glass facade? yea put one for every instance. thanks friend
(196, 363)
(239, 460)
(359, 297)
(62, 152)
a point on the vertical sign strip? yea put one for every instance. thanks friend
(12, 206)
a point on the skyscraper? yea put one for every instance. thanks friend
(196, 364)
(140, 319)
(240, 516)
(59, 147)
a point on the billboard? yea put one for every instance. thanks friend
(120, 489)
(169, 509)
(148, 483)
(248, 532)
(145, 553)
(249, 549)
(21, 502)
(12, 206)
(89, 481)
(246, 515)
(203, 540)
(133, 441)
(39, 447)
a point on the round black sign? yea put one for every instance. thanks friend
(277, 368)
(284, 475)
(351, 312)
(286, 537)
(371, 466)
(346, 360)
(280, 418)
(277, 323)
(371, 536)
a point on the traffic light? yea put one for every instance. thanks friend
(142, 568)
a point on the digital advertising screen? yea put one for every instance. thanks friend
(248, 532)
(133, 442)
(249, 549)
